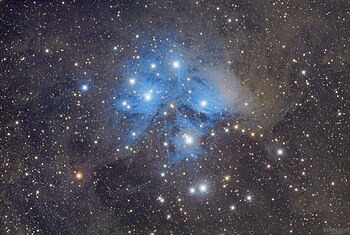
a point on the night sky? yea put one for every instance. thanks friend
(175, 117)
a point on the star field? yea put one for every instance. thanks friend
(174, 117)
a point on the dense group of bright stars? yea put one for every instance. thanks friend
(174, 117)
(187, 138)
(163, 90)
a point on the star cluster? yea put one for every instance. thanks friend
(169, 95)
(174, 117)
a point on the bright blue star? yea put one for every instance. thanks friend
(84, 87)
(176, 64)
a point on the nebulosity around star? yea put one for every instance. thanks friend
(174, 117)
(167, 93)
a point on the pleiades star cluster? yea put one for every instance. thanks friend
(175, 117)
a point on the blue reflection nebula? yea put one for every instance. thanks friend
(167, 92)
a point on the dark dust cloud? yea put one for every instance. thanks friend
(175, 117)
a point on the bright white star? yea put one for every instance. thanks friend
(84, 87)
(188, 139)
(176, 64)
(132, 81)
(203, 188)
(280, 152)
(192, 190)
(148, 97)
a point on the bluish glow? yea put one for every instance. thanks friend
(188, 139)
(203, 103)
(132, 81)
(176, 64)
(84, 87)
(179, 102)
(148, 96)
